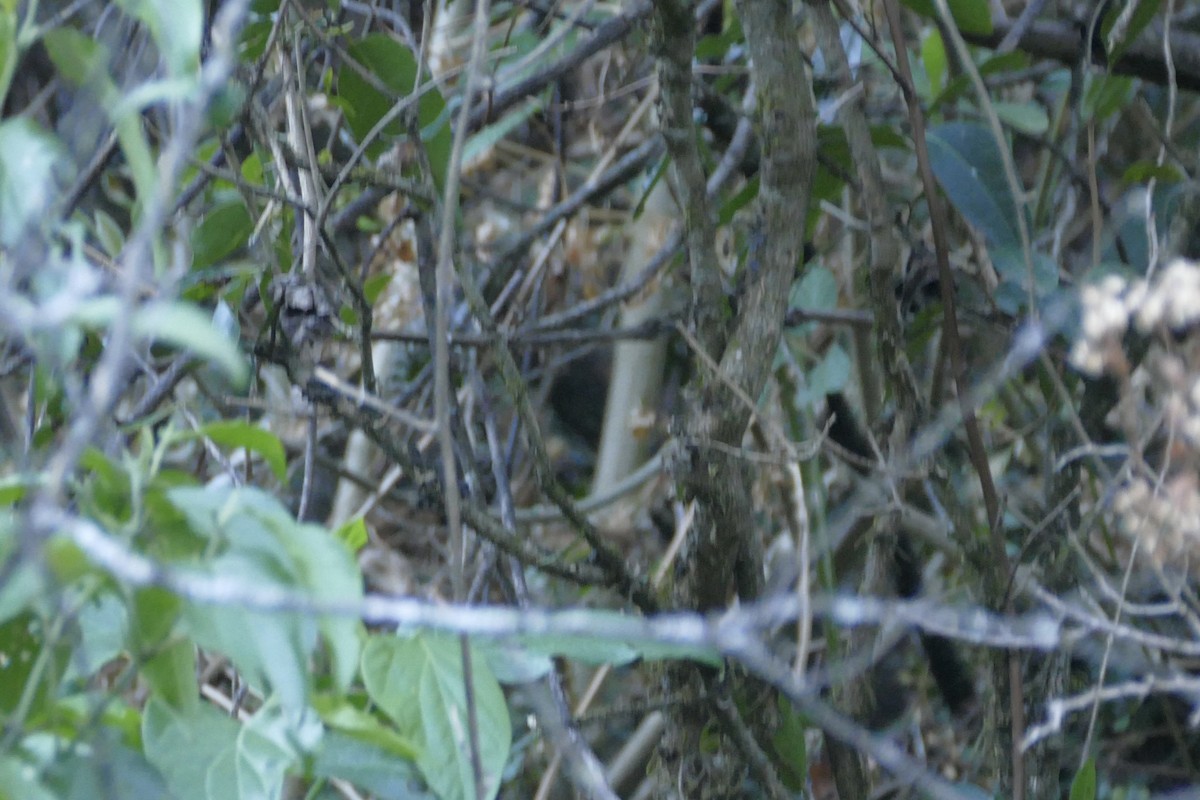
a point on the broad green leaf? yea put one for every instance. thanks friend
(374, 286)
(116, 714)
(790, 746)
(268, 745)
(108, 766)
(328, 572)
(353, 721)
(269, 649)
(14, 487)
(1028, 118)
(971, 172)
(111, 237)
(19, 780)
(513, 664)
(1106, 94)
(816, 291)
(184, 746)
(1004, 62)
(886, 136)
(26, 668)
(353, 534)
(171, 673)
(971, 16)
(392, 64)
(179, 324)
(1013, 293)
(264, 546)
(80, 59)
(234, 433)
(177, 27)
(831, 374)
(186, 327)
(28, 159)
(368, 767)
(24, 584)
(418, 681)
(223, 231)
(1145, 171)
(1142, 15)
(933, 58)
(104, 627)
(9, 51)
(66, 560)
(171, 668)
(482, 142)
(1083, 785)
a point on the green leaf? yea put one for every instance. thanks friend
(180, 324)
(23, 586)
(1105, 94)
(177, 27)
(816, 291)
(971, 172)
(268, 745)
(9, 51)
(327, 570)
(791, 749)
(186, 327)
(933, 57)
(111, 237)
(512, 664)
(1144, 171)
(353, 534)
(171, 668)
(79, 58)
(1028, 118)
(374, 286)
(28, 160)
(32, 667)
(107, 765)
(353, 721)
(1013, 293)
(269, 649)
(418, 681)
(1083, 785)
(831, 374)
(223, 231)
(234, 433)
(184, 746)
(368, 767)
(19, 781)
(171, 673)
(886, 136)
(263, 545)
(480, 143)
(392, 64)
(971, 16)
(1142, 15)
(104, 627)
(14, 487)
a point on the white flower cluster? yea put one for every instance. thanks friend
(1164, 520)
(1170, 302)
(1160, 509)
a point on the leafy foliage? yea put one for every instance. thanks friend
(227, 561)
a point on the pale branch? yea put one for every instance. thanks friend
(726, 632)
